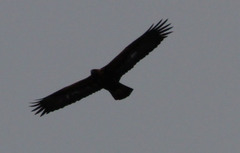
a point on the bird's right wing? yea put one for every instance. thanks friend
(138, 49)
(66, 96)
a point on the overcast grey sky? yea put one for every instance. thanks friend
(186, 96)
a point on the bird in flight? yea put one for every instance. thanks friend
(107, 77)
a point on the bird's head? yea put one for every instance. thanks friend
(95, 72)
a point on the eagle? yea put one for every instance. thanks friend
(108, 77)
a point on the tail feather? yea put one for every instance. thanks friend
(120, 91)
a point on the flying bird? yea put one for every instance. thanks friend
(107, 77)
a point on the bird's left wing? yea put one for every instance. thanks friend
(66, 96)
(138, 49)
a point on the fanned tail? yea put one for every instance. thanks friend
(120, 91)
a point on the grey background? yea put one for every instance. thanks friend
(186, 96)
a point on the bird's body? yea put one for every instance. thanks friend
(109, 76)
(110, 83)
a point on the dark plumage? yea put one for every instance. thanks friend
(109, 76)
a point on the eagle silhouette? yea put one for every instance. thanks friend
(109, 76)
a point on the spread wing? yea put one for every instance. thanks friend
(138, 49)
(66, 96)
